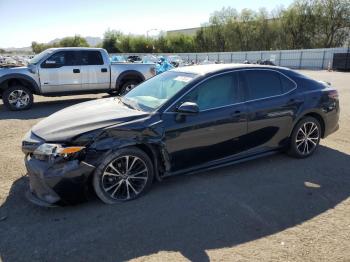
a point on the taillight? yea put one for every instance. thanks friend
(333, 94)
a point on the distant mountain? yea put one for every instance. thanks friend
(19, 50)
(92, 41)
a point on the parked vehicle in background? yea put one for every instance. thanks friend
(163, 65)
(265, 62)
(118, 59)
(175, 60)
(184, 120)
(134, 59)
(67, 71)
(150, 59)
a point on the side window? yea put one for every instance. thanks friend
(59, 59)
(262, 83)
(287, 84)
(91, 58)
(216, 92)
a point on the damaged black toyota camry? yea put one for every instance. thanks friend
(182, 121)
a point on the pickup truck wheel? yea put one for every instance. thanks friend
(18, 98)
(127, 86)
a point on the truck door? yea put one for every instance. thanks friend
(95, 73)
(60, 73)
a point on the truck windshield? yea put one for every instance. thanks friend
(156, 91)
(39, 56)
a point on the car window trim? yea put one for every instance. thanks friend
(77, 53)
(247, 101)
(81, 58)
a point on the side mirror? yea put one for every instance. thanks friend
(188, 108)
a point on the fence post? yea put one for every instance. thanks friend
(347, 57)
(301, 59)
(196, 58)
(218, 57)
(246, 56)
(231, 58)
(324, 56)
(280, 58)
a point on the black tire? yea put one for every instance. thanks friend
(112, 93)
(24, 96)
(127, 86)
(304, 141)
(119, 184)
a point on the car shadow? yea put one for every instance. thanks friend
(40, 109)
(186, 214)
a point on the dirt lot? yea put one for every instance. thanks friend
(272, 209)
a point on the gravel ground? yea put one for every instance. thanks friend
(271, 209)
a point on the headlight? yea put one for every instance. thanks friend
(57, 150)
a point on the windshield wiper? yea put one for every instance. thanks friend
(130, 105)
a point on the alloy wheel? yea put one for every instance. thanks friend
(125, 177)
(128, 88)
(307, 138)
(18, 99)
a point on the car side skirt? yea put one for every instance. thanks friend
(222, 163)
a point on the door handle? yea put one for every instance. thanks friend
(104, 70)
(76, 71)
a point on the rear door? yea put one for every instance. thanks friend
(273, 102)
(60, 73)
(95, 73)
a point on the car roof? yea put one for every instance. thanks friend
(76, 48)
(213, 68)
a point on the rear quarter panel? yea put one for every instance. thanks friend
(119, 68)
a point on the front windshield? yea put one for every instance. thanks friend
(156, 91)
(39, 56)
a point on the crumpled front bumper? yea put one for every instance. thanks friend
(53, 184)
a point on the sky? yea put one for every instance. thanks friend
(24, 21)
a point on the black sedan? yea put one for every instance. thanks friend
(182, 121)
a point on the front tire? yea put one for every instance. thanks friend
(305, 138)
(18, 98)
(124, 175)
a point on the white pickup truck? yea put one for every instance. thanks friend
(67, 71)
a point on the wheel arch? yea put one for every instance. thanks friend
(13, 79)
(153, 150)
(127, 76)
(154, 153)
(315, 115)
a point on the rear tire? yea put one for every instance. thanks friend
(18, 98)
(128, 86)
(123, 175)
(112, 93)
(305, 138)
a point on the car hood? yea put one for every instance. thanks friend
(14, 70)
(84, 117)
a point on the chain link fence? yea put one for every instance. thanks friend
(297, 59)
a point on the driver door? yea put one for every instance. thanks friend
(216, 132)
(61, 73)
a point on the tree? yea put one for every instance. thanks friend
(333, 20)
(75, 41)
(38, 47)
(111, 40)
